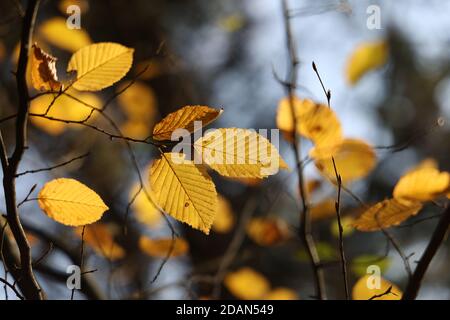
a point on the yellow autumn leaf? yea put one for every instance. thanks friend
(55, 31)
(422, 184)
(138, 101)
(243, 153)
(366, 57)
(184, 118)
(385, 214)
(70, 202)
(99, 237)
(281, 293)
(225, 218)
(354, 160)
(247, 284)
(323, 210)
(64, 108)
(373, 288)
(100, 65)
(136, 129)
(314, 121)
(160, 247)
(145, 212)
(184, 190)
(267, 231)
(43, 70)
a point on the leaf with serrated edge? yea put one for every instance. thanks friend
(70, 202)
(184, 190)
(100, 65)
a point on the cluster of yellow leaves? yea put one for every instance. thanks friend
(182, 187)
(248, 284)
(354, 158)
(100, 238)
(366, 57)
(70, 202)
(421, 184)
(160, 248)
(365, 289)
(267, 231)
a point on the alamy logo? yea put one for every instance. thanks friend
(74, 19)
(374, 280)
(373, 21)
(74, 280)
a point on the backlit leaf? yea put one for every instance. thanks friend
(70, 202)
(99, 237)
(184, 190)
(385, 214)
(247, 284)
(160, 247)
(366, 57)
(366, 288)
(422, 184)
(267, 231)
(354, 160)
(43, 70)
(323, 210)
(55, 31)
(144, 210)
(100, 65)
(240, 153)
(184, 118)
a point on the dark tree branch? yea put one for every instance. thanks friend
(26, 279)
(413, 287)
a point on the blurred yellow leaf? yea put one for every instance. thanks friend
(70, 202)
(366, 57)
(184, 118)
(281, 293)
(149, 69)
(323, 210)
(100, 65)
(144, 210)
(251, 182)
(234, 152)
(135, 129)
(365, 289)
(385, 214)
(225, 219)
(43, 70)
(267, 231)
(247, 284)
(422, 184)
(99, 237)
(184, 190)
(64, 108)
(160, 247)
(354, 160)
(360, 264)
(315, 121)
(347, 226)
(138, 101)
(55, 31)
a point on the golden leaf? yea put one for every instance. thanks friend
(225, 218)
(70, 202)
(99, 237)
(385, 214)
(64, 108)
(160, 247)
(43, 70)
(138, 101)
(315, 121)
(145, 211)
(56, 32)
(239, 153)
(100, 65)
(354, 160)
(247, 284)
(422, 184)
(184, 118)
(366, 57)
(365, 289)
(267, 231)
(184, 190)
(281, 293)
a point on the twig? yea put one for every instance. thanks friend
(12, 287)
(388, 291)
(65, 163)
(413, 286)
(81, 259)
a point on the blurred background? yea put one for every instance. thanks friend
(224, 54)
